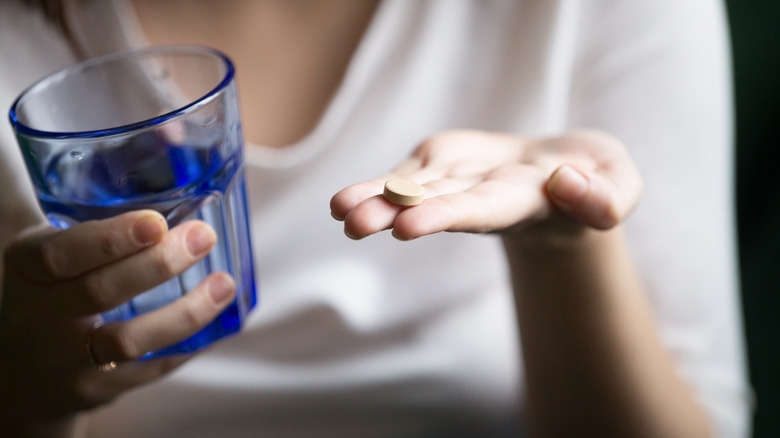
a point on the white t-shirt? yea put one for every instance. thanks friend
(385, 338)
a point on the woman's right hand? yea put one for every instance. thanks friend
(56, 283)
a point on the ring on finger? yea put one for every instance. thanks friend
(102, 367)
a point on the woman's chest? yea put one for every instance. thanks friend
(290, 57)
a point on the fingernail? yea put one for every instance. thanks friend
(221, 289)
(567, 185)
(402, 239)
(351, 236)
(333, 215)
(200, 239)
(148, 229)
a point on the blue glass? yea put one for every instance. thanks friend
(154, 128)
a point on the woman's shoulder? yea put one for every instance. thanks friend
(31, 46)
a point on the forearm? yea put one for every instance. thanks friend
(593, 361)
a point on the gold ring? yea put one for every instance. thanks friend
(107, 367)
(103, 368)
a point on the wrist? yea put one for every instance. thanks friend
(559, 234)
(574, 251)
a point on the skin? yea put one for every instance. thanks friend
(590, 348)
(54, 284)
(591, 353)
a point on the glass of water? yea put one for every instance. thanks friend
(156, 128)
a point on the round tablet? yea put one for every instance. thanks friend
(404, 192)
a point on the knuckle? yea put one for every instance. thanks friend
(442, 143)
(610, 216)
(108, 244)
(97, 292)
(434, 144)
(125, 346)
(165, 266)
(50, 261)
(191, 314)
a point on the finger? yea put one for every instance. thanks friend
(376, 213)
(598, 200)
(107, 287)
(166, 326)
(49, 255)
(492, 205)
(91, 388)
(345, 200)
(370, 216)
(350, 197)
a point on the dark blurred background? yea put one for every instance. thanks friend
(755, 29)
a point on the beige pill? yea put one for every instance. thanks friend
(404, 192)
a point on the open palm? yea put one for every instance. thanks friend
(482, 182)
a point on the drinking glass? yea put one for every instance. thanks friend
(154, 128)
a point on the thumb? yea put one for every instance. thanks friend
(589, 197)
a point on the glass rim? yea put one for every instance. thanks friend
(21, 128)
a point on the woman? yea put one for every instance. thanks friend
(560, 321)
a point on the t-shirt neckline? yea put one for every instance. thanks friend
(120, 30)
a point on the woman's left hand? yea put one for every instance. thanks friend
(481, 182)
